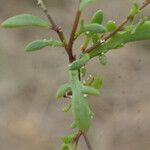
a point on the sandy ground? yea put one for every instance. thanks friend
(31, 118)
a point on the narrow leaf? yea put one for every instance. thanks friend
(134, 10)
(39, 44)
(79, 63)
(91, 28)
(90, 90)
(135, 27)
(24, 20)
(97, 82)
(73, 125)
(80, 107)
(94, 28)
(62, 90)
(97, 17)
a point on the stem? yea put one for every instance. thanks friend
(76, 139)
(87, 142)
(147, 2)
(88, 50)
(56, 28)
(74, 28)
(69, 47)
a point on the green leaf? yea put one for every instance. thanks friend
(97, 82)
(136, 26)
(86, 42)
(103, 59)
(39, 44)
(24, 20)
(94, 28)
(73, 125)
(90, 90)
(134, 10)
(66, 147)
(90, 29)
(97, 17)
(123, 37)
(111, 25)
(79, 63)
(62, 90)
(89, 81)
(84, 3)
(68, 139)
(80, 107)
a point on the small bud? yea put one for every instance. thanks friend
(111, 25)
(82, 71)
(103, 59)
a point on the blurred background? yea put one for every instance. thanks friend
(31, 118)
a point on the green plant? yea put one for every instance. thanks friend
(102, 38)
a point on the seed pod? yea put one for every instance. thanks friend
(62, 90)
(97, 17)
(90, 90)
(111, 25)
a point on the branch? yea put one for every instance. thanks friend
(88, 50)
(76, 140)
(87, 142)
(147, 2)
(56, 28)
